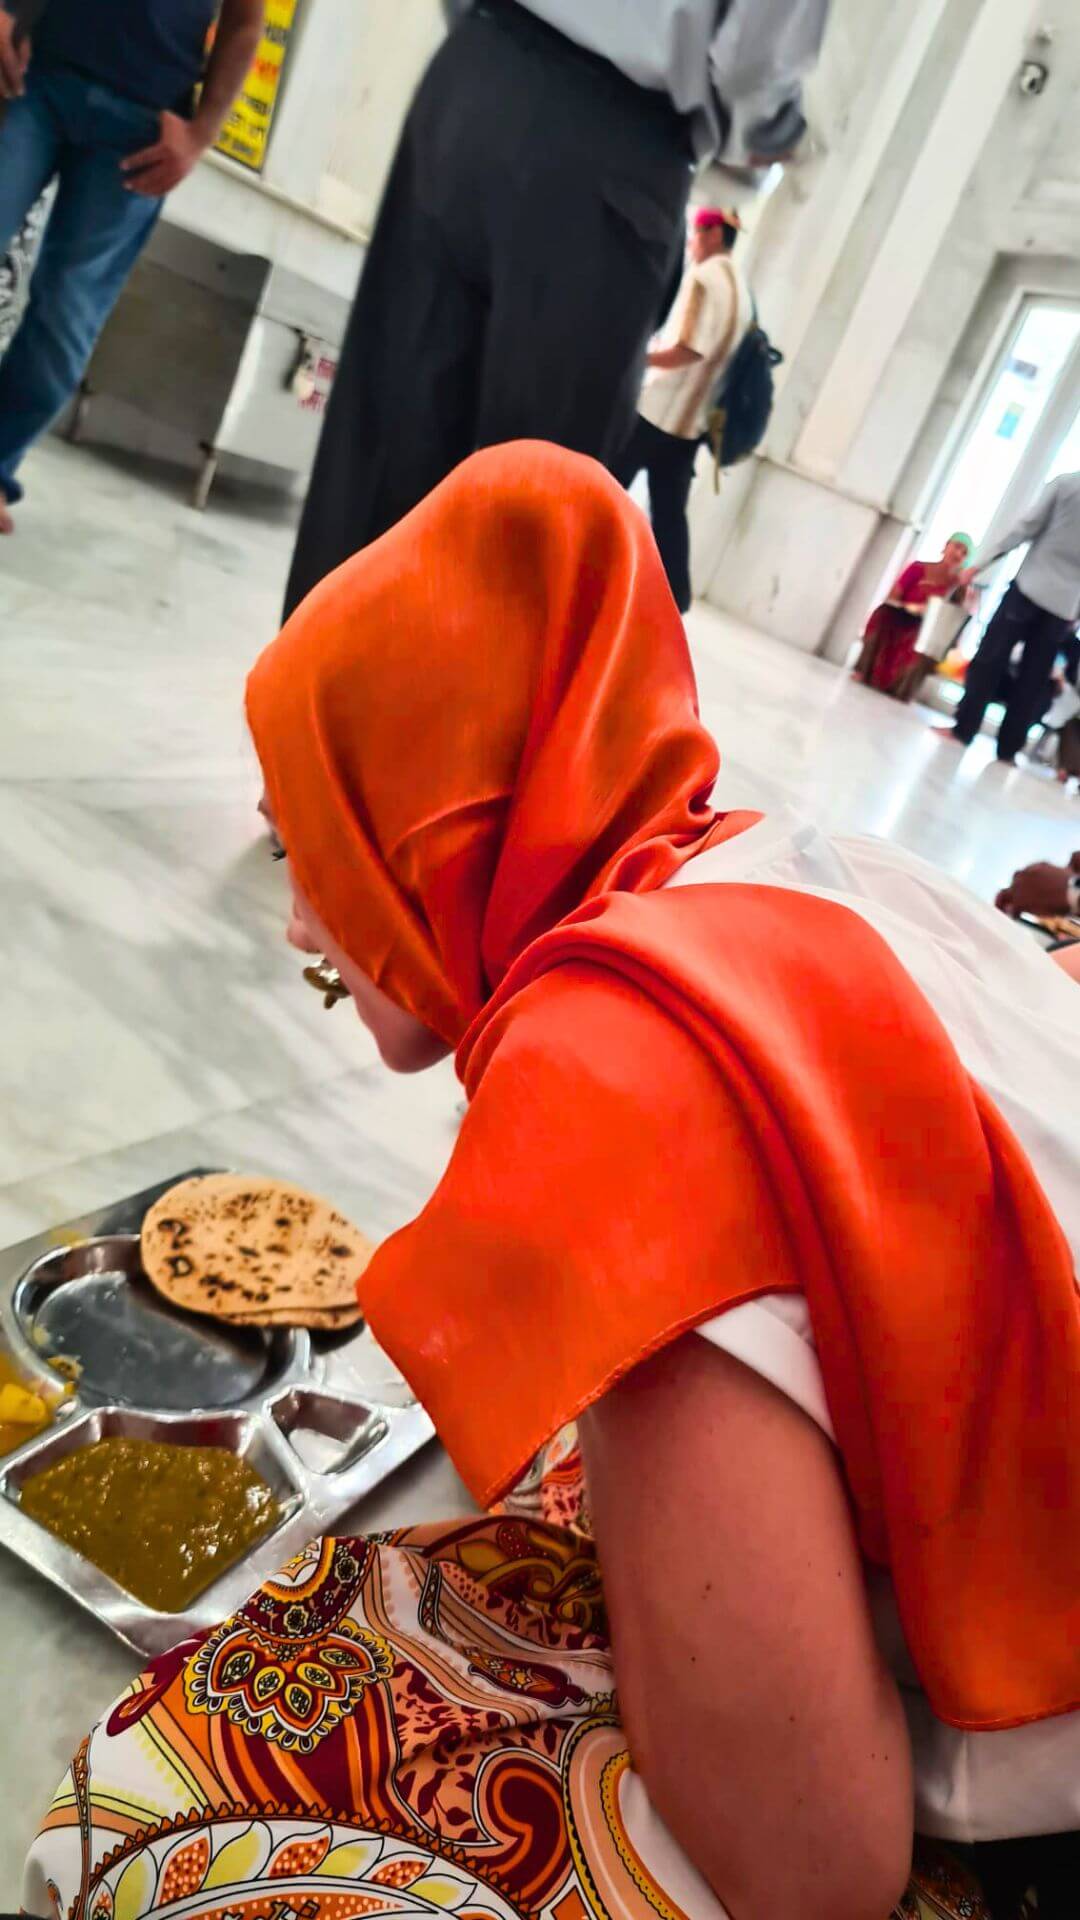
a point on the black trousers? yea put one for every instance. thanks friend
(1007, 1868)
(1018, 619)
(669, 463)
(528, 233)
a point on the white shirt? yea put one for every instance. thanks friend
(1014, 1019)
(731, 68)
(712, 311)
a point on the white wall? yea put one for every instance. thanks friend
(887, 267)
(352, 69)
(394, 42)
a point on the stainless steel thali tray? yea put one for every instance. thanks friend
(323, 1418)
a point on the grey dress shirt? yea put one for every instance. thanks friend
(1050, 574)
(734, 67)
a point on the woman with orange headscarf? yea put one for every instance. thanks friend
(748, 1186)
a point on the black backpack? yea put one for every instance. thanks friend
(742, 402)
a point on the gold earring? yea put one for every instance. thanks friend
(327, 980)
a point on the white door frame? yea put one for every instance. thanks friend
(1057, 417)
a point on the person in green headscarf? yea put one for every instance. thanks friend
(889, 641)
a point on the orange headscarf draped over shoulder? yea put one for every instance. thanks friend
(482, 751)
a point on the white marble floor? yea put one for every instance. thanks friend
(152, 1017)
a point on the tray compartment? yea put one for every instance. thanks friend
(240, 1433)
(327, 1432)
(93, 1303)
(246, 1435)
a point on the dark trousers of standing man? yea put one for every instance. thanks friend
(1017, 620)
(530, 225)
(669, 464)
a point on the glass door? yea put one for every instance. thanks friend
(1004, 426)
(1067, 457)
(1026, 430)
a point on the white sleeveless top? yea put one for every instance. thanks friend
(1014, 1019)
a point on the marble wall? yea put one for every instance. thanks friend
(938, 196)
(790, 553)
(350, 74)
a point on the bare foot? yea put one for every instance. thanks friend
(7, 524)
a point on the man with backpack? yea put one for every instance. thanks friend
(711, 317)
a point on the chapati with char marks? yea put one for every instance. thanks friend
(254, 1251)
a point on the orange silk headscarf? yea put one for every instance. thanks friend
(482, 751)
(499, 703)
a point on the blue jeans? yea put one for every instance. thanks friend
(68, 127)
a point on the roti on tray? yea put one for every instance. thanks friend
(254, 1252)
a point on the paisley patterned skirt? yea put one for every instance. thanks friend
(414, 1724)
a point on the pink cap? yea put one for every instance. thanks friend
(707, 217)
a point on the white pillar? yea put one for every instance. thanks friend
(984, 70)
(313, 95)
(839, 182)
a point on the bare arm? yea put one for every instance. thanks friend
(683, 352)
(157, 169)
(1039, 889)
(235, 46)
(670, 357)
(760, 1715)
(14, 56)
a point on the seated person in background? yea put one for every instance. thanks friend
(1043, 890)
(1046, 892)
(770, 1178)
(892, 630)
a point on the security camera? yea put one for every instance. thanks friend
(1033, 78)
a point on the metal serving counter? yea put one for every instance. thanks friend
(211, 353)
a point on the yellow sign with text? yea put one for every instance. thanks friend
(246, 131)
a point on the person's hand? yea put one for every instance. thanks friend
(773, 142)
(156, 170)
(761, 162)
(966, 576)
(14, 57)
(1040, 890)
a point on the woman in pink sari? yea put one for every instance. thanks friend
(893, 628)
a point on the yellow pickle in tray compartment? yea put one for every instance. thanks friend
(24, 1408)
